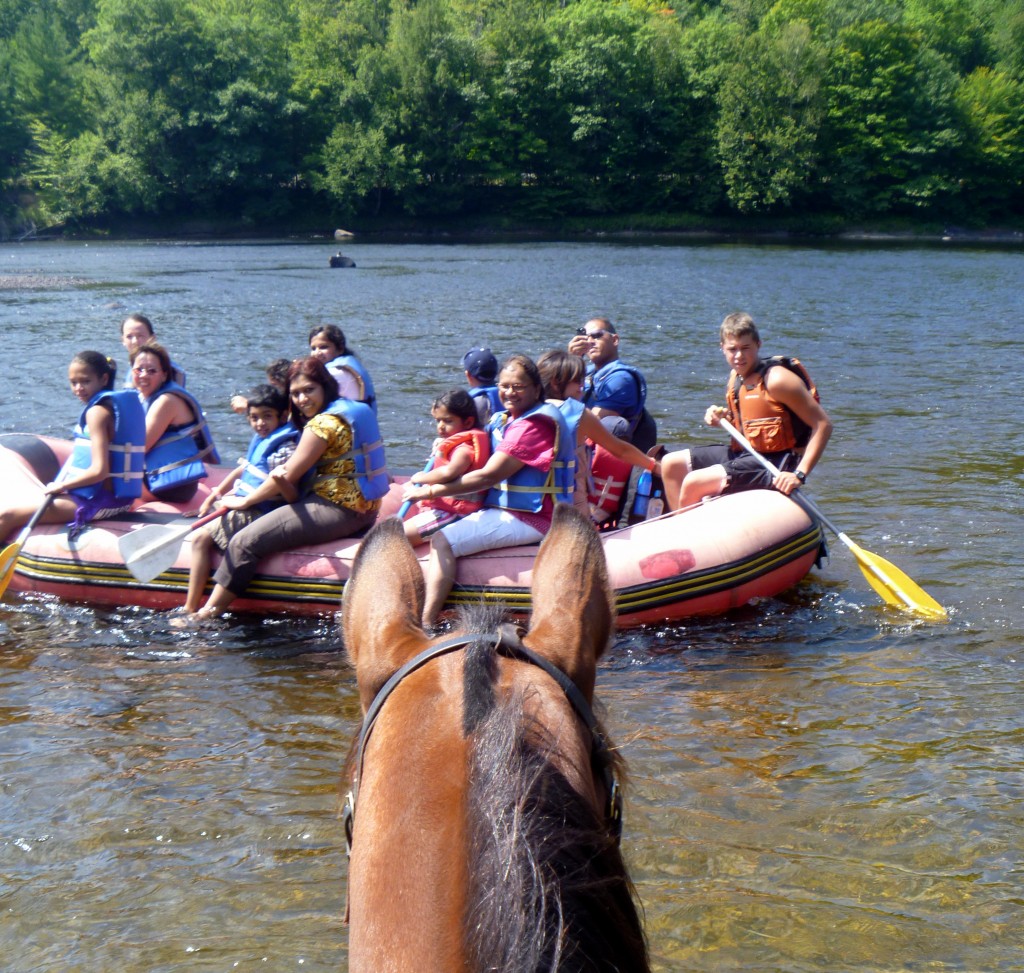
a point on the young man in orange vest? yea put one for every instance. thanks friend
(773, 403)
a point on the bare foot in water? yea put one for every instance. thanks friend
(199, 619)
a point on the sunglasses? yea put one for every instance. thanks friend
(593, 335)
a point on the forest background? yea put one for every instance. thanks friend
(804, 114)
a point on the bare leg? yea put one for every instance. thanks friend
(674, 467)
(60, 511)
(412, 534)
(13, 519)
(199, 570)
(697, 485)
(440, 576)
(217, 603)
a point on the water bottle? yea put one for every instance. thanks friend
(642, 498)
(655, 506)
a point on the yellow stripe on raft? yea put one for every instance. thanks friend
(631, 600)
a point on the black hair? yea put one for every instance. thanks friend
(558, 368)
(315, 370)
(277, 371)
(267, 397)
(100, 365)
(139, 319)
(334, 335)
(459, 403)
(530, 369)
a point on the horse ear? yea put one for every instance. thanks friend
(573, 604)
(382, 606)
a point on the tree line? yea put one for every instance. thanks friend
(258, 110)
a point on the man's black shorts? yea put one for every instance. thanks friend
(744, 472)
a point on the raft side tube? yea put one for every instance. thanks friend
(38, 456)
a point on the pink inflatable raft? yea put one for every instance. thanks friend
(702, 561)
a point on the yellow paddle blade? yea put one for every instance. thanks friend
(894, 586)
(8, 562)
(10, 554)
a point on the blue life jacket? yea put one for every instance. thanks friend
(126, 453)
(177, 456)
(257, 466)
(353, 365)
(572, 410)
(604, 373)
(490, 392)
(367, 447)
(527, 487)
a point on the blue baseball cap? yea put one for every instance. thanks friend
(481, 364)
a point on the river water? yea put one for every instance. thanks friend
(817, 783)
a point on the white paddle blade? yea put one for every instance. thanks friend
(150, 551)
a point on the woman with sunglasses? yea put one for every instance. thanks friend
(177, 437)
(532, 466)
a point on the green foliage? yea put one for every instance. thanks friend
(46, 75)
(1005, 25)
(950, 28)
(251, 109)
(769, 119)
(619, 82)
(884, 143)
(11, 13)
(992, 108)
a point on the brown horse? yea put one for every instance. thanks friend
(485, 831)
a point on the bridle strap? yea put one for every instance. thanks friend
(370, 719)
(509, 644)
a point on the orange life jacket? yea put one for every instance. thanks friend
(480, 443)
(767, 423)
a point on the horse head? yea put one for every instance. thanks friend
(486, 828)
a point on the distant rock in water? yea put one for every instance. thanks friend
(340, 260)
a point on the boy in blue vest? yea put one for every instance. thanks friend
(481, 370)
(273, 442)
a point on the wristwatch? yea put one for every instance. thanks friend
(801, 476)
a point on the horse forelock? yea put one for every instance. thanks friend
(548, 887)
(479, 670)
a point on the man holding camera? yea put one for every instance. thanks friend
(614, 389)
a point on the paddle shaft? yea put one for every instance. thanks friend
(177, 534)
(806, 502)
(206, 518)
(34, 519)
(866, 564)
(404, 509)
(9, 555)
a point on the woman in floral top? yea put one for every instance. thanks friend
(320, 483)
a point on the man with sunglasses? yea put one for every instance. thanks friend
(614, 389)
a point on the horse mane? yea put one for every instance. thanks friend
(548, 886)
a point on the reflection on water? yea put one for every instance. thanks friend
(816, 783)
